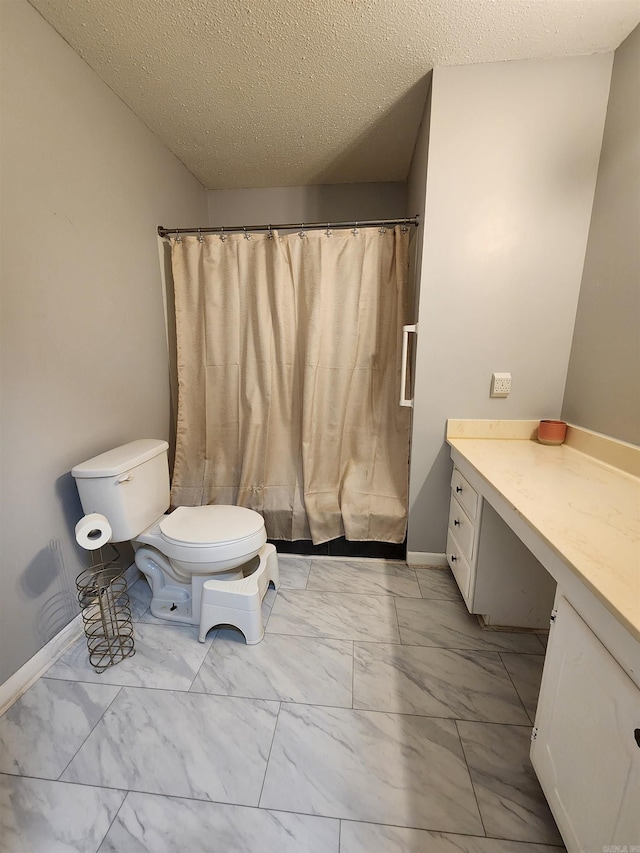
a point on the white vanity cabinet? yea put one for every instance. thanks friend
(498, 576)
(586, 740)
(576, 508)
(464, 521)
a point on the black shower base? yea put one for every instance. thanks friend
(342, 548)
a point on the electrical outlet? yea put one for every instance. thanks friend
(500, 384)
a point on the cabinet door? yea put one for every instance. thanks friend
(460, 567)
(465, 493)
(585, 750)
(462, 528)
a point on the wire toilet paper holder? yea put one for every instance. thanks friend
(106, 612)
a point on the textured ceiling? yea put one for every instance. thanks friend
(287, 92)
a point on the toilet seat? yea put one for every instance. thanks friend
(210, 526)
(225, 535)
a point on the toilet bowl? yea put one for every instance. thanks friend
(191, 545)
(202, 563)
(195, 537)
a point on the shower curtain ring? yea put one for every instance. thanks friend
(178, 236)
(270, 233)
(328, 232)
(200, 237)
(404, 227)
(354, 230)
(301, 233)
(223, 236)
(383, 228)
(246, 236)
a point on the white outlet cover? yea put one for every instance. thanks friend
(500, 384)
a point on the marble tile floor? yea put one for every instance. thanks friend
(375, 717)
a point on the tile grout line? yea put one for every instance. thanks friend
(395, 610)
(473, 787)
(389, 642)
(266, 766)
(353, 673)
(376, 594)
(495, 836)
(514, 684)
(559, 847)
(202, 662)
(115, 817)
(265, 622)
(544, 648)
(93, 728)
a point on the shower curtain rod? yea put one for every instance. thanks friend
(303, 226)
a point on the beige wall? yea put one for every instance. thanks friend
(84, 356)
(603, 383)
(331, 202)
(513, 158)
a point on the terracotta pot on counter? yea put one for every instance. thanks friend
(552, 432)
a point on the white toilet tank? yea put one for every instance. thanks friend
(129, 485)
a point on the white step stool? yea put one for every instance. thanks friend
(239, 603)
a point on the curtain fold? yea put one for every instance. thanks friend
(288, 354)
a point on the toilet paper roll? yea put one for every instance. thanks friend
(93, 531)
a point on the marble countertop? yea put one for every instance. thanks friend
(586, 510)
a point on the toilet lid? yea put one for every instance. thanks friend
(210, 525)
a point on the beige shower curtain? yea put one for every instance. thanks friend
(288, 353)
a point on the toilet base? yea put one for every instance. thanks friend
(239, 602)
(227, 598)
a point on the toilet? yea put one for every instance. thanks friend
(206, 565)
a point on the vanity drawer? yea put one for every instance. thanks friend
(464, 493)
(459, 566)
(462, 528)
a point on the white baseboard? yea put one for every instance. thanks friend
(18, 684)
(426, 558)
(414, 558)
(21, 681)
